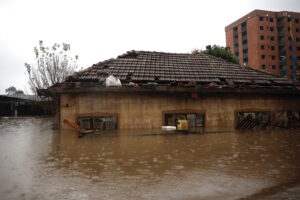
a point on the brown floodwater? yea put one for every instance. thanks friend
(39, 162)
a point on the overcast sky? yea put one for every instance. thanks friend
(99, 30)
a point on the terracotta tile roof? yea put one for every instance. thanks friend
(164, 68)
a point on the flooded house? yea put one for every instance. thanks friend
(157, 89)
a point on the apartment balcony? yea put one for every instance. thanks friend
(281, 32)
(282, 63)
(244, 29)
(282, 52)
(280, 22)
(283, 71)
(281, 43)
(281, 37)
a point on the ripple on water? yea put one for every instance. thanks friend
(58, 165)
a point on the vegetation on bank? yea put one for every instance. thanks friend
(218, 51)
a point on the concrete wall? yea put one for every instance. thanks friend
(146, 110)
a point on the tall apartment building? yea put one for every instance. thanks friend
(262, 40)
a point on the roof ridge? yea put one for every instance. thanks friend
(162, 52)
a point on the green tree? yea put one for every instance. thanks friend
(218, 51)
(11, 90)
(52, 65)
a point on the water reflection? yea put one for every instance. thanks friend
(39, 162)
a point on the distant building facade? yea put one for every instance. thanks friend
(264, 40)
(25, 105)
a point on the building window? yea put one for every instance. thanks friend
(297, 39)
(195, 121)
(271, 19)
(98, 122)
(261, 28)
(296, 21)
(262, 47)
(262, 37)
(273, 67)
(297, 30)
(251, 119)
(261, 19)
(263, 66)
(272, 47)
(272, 38)
(271, 29)
(298, 48)
(263, 56)
(273, 57)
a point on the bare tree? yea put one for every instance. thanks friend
(52, 66)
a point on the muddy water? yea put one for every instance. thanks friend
(38, 162)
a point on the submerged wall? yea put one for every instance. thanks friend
(137, 110)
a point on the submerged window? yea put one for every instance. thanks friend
(286, 119)
(250, 120)
(195, 120)
(98, 122)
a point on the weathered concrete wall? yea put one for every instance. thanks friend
(146, 110)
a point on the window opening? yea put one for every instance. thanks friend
(98, 122)
(195, 120)
(251, 120)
